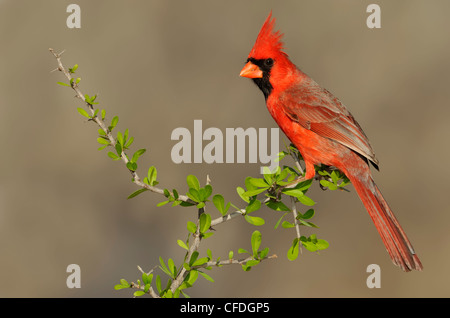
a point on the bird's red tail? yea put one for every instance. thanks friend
(392, 234)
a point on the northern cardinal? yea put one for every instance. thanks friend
(324, 132)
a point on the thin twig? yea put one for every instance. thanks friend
(231, 261)
(297, 162)
(192, 248)
(297, 225)
(227, 217)
(103, 126)
(151, 291)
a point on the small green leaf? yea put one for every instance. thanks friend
(308, 214)
(102, 141)
(164, 267)
(129, 142)
(306, 200)
(310, 224)
(303, 186)
(219, 203)
(120, 138)
(137, 154)
(263, 253)
(125, 136)
(113, 156)
(162, 203)
(207, 192)
(206, 235)
(293, 192)
(292, 253)
(168, 293)
(172, 267)
(136, 193)
(252, 193)
(139, 293)
(114, 122)
(62, 84)
(147, 279)
(191, 277)
(268, 176)
(335, 176)
(206, 276)
(205, 222)
(283, 174)
(158, 284)
(194, 195)
(313, 244)
(241, 192)
(201, 205)
(152, 174)
(191, 227)
(176, 202)
(192, 182)
(194, 257)
(322, 244)
(252, 262)
(287, 225)
(256, 242)
(132, 166)
(249, 185)
(254, 205)
(309, 246)
(73, 69)
(119, 148)
(280, 156)
(243, 251)
(328, 184)
(258, 182)
(279, 220)
(254, 220)
(118, 287)
(277, 205)
(200, 261)
(83, 112)
(182, 244)
(124, 283)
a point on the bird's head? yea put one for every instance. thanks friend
(267, 65)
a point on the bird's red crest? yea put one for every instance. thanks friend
(268, 41)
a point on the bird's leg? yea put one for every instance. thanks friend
(291, 184)
(294, 183)
(310, 173)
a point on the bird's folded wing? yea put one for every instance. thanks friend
(318, 110)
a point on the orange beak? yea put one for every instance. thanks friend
(250, 70)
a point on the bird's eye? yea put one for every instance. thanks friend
(268, 62)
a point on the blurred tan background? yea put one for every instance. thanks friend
(159, 65)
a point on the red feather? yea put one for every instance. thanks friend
(268, 41)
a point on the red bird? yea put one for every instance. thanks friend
(324, 132)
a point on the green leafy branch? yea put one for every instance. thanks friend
(275, 187)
